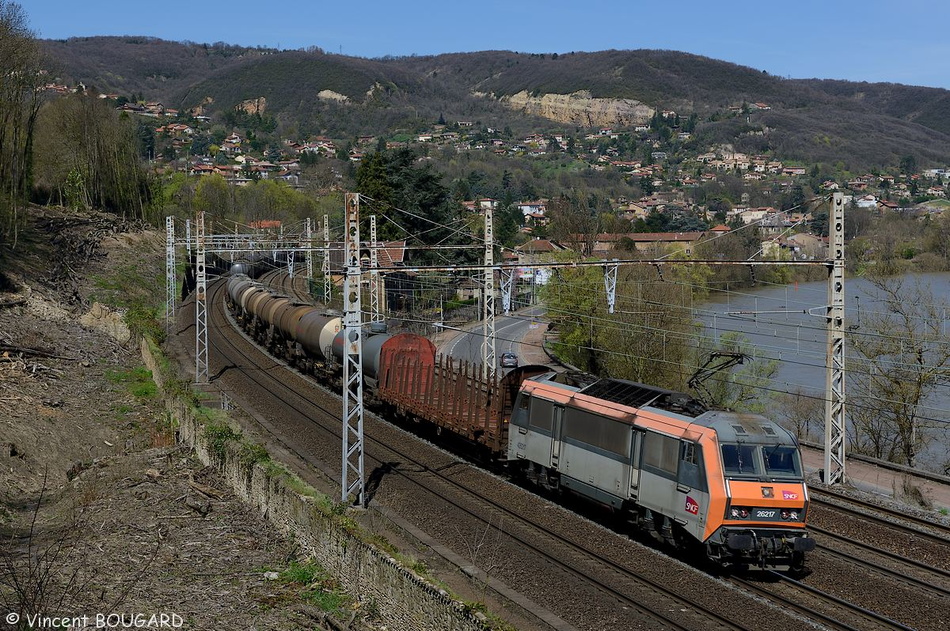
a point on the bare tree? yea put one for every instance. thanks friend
(903, 356)
(86, 157)
(740, 389)
(801, 413)
(19, 104)
(574, 224)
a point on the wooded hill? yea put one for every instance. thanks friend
(862, 125)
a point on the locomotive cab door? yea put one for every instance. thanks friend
(557, 418)
(691, 487)
(636, 438)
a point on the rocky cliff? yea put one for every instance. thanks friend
(581, 109)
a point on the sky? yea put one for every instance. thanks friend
(858, 40)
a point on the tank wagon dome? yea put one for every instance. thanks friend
(241, 267)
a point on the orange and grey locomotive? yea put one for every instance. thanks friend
(729, 484)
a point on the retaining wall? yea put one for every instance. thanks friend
(399, 598)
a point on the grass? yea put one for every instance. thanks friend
(219, 435)
(317, 587)
(137, 381)
(143, 321)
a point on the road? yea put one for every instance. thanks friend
(520, 333)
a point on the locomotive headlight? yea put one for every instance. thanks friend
(790, 515)
(739, 512)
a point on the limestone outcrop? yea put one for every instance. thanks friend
(581, 109)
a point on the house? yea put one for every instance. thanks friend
(531, 207)
(655, 242)
(202, 169)
(866, 201)
(468, 289)
(808, 246)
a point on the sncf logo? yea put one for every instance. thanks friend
(691, 506)
(788, 495)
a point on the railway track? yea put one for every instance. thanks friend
(602, 577)
(579, 570)
(824, 608)
(906, 568)
(928, 529)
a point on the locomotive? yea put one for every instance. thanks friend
(725, 485)
(729, 484)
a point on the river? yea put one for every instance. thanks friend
(787, 323)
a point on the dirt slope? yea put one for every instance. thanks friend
(127, 522)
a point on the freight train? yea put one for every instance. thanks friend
(726, 486)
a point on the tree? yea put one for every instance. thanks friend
(908, 165)
(213, 197)
(795, 198)
(801, 413)
(19, 106)
(740, 389)
(573, 223)
(644, 340)
(90, 155)
(904, 356)
(413, 198)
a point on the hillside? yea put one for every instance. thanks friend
(859, 124)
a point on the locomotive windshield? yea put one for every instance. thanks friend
(740, 459)
(773, 461)
(782, 461)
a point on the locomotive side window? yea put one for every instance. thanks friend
(661, 453)
(519, 416)
(782, 461)
(691, 466)
(739, 459)
(542, 415)
(590, 429)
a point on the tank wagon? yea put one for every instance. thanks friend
(403, 375)
(725, 486)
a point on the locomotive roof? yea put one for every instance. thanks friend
(735, 427)
(730, 427)
(639, 395)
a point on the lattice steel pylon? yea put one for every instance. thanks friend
(201, 304)
(506, 277)
(610, 285)
(171, 282)
(488, 304)
(309, 257)
(327, 280)
(352, 357)
(835, 423)
(375, 312)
